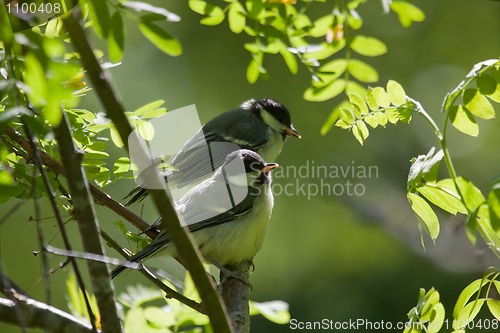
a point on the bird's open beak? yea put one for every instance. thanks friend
(269, 166)
(291, 131)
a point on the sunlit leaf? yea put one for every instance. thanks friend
(290, 60)
(407, 12)
(100, 17)
(275, 311)
(478, 104)
(368, 46)
(116, 42)
(468, 313)
(442, 198)
(362, 71)
(236, 17)
(463, 120)
(160, 38)
(325, 93)
(471, 195)
(494, 307)
(396, 93)
(426, 214)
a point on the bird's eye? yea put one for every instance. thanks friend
(255, 166)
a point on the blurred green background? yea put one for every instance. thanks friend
(338, 257)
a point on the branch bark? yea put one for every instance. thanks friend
(88, 226)
(235, 294)
(36, 314)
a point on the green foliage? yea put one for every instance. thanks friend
(455, 195)
(106, 17)
(428, 315)
(327, 46)
(148, 310)
(379, 108)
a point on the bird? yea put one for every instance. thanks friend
(258, 125)
(227, 214)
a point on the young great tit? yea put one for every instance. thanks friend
(258, 125)
(227, 214)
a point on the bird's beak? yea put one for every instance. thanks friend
(291, 131)
(269, 166)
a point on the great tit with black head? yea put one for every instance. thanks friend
(258, 125)
(227, 214)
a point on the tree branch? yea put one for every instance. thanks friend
(88, 226)
(100, 197)
(235, 293)
(36, 314)
(183, 241)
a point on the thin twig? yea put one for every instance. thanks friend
(50, 193)
(40, 315)
(100, 197)
(169, 292)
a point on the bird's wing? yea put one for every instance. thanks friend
(197, 161)
(192, 207)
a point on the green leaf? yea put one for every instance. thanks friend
(347, 114)
(378, 96)
(437, 318)
(35, 79)
(468, 313)
(471, 195)
(236, 17)
(353, 87)
(148, 108)
(275, 311)
(494, 306)
(323, 51)
(359, 103)
(463, 120)
(325, 93)
(404, 114)
(381, 118)
(443, 199)
(198, 6)
(115, 137)
(253, 69)
(159, 317)
(213, 19)
(121, 167)
(368, 46)
(396, 93)
(322, 26)
(215, 15)
(425, 214)
(332, 118)
(424, 168)
(407, 12)
(354, 20)
(116, 42)
(290, 61)
(486, 84)
(160, 38)
(332, 70)
(494, 207)
(478, 104)
(363, 129)
(362, 71)
(100, 17)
